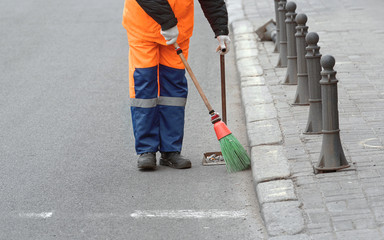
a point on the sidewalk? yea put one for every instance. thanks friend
(296, 203)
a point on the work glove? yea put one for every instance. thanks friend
(224, 43)
(170, 35)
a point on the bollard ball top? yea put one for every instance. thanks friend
(290, 7)
(301, 19)
(312, 38)
(328, 62)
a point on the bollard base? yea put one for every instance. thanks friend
(332, 156)
(300, 104)
(291, 75)
(276, 50)
(314, 124)
(312, 133)
(279, 65)
(318, 170)
(289, 80)
(282, 61)
(301, 96)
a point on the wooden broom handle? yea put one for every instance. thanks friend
(223, 95)
(193, 77)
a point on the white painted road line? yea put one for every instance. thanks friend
(42, 215)
(183, 214)
(171, 214)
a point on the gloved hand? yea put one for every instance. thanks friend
(224, 44)
(170, 35)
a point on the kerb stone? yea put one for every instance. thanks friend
(256, 95)
(269, 163)
(242, 26)
(258, 112)
(252, 81)
(246, 53)
(249, 67)
(245, 44)
(264, 132)
(283, 218)
(276, 191)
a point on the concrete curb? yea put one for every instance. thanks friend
(276, 195)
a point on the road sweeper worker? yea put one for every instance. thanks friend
(157, 83)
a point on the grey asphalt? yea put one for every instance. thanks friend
(67, 161)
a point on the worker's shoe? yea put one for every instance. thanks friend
(174, 160)
(147, 161)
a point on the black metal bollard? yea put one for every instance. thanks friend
(302, 94)
(282, 62)
(277, 43)
(313, 56)
(291, 76)
(332, 156)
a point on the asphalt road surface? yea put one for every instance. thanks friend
(67, 161)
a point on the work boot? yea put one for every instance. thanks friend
(147, 161)
(174, 160)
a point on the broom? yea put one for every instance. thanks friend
(235, 156)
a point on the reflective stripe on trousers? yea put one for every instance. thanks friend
(158, 123)
(151, 103)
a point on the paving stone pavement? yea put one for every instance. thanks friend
(296, 203)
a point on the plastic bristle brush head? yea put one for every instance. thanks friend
(235, 156)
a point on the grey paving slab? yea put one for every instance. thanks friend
(322, 236)
(292, 237)
(359, 234)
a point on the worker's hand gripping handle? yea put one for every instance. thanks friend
(193, 77)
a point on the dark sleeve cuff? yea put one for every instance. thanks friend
(221, 32)
(169, 24)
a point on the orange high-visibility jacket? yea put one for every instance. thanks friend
(144, 19)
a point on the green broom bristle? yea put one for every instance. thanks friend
(235, 156)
